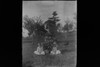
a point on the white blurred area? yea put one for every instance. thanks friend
(25, 32)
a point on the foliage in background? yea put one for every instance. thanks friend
(70, 25)
(39, 28)
(32, 24)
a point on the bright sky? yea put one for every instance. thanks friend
(45, 9)
(65, 9)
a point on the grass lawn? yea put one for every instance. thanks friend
(64, 60)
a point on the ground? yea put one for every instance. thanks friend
(66, 59)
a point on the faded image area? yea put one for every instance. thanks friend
(49, 33)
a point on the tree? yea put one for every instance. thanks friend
(28, 24)
(34, 25)
(51, 23)
(69, 26)
(36, 28)
(52, 27)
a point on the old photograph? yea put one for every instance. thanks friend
(49, 33)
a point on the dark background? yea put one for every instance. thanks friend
(11, 18)
(48, 0)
